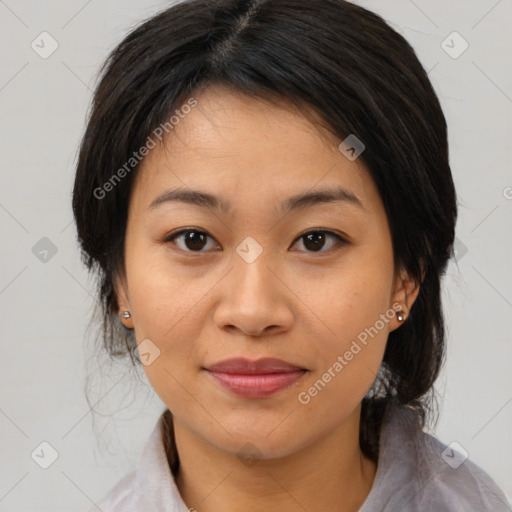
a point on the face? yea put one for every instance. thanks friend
(311, 283)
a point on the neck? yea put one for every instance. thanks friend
(332, 474)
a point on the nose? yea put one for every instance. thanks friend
(255, 299)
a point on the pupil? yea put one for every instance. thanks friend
(194, 240)
(316, 238)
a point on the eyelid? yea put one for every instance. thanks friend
(321, 230)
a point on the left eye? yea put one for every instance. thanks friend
(315, 240)
(195, 240)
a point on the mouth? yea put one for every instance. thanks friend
(255, 379)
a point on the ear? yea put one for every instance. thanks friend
(405, 292)
(123, 300)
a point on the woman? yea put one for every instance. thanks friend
(265, 192)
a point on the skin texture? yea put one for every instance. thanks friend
(292, 302)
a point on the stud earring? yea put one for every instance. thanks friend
(400, 315)
(126, 314)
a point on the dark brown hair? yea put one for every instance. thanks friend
(331, 56)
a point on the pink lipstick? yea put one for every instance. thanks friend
(255, 379)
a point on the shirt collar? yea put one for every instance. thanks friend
(155, 486)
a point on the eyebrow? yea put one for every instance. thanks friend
(297, 202)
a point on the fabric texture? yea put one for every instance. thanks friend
(415, 473)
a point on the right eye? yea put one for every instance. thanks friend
(189, 240)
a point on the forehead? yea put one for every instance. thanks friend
(246, 149)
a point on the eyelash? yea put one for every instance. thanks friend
(341, 241)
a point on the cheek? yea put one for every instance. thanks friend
(166, 313)
(168, 305)
(349, 299)
(348, 365)
(352, 318)
(159, 294)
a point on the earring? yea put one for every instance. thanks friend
(126, 314)
(400, 315)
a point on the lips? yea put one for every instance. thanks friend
(255, 379)
(263, 366)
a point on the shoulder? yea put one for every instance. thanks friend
(451, 478)
(119, 498)
(150, 486)
(417, 472)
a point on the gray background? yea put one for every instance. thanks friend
(46, 299)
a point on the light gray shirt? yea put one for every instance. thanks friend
(415, 473)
